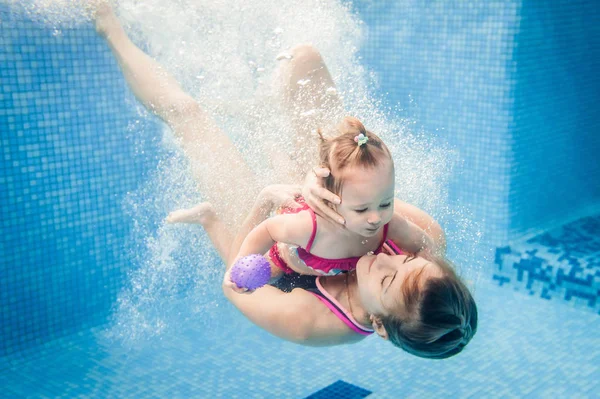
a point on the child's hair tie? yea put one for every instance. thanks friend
(361, 139)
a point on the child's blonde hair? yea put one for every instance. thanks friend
(342, 151)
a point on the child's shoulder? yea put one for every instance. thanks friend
(297, 226)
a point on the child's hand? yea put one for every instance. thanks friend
(227, 283)
(315, 195)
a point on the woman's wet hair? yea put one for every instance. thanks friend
(342, 151)
(439, 316)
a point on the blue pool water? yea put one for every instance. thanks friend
(99, 299)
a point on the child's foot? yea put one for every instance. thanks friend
(200, 214)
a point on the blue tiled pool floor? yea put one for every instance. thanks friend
(562, 264)
(525, 347)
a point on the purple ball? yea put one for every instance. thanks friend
(251, 272)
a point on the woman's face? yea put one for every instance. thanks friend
(367, 198)
(380, 279)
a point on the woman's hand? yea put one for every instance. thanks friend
(282, 195)
(315, 194)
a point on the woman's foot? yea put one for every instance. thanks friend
(104, 16)
(200, 214)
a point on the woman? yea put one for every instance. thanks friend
(418, 304)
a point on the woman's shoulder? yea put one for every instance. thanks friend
(407, 215)
(404, 211)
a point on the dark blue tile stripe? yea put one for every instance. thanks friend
(340, 390)
(561, 264)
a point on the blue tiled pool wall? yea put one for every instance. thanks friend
(67, 163)
(66, 171)
(510, 84)
(555, 170)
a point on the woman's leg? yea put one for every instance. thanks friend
(311, 101)
(221, 235)
(204, 214)
(224, 178)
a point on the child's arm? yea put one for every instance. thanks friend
(269, 199)
(289, 228)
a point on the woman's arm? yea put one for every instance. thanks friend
(296, 316)
(414, 230)
(408, 236)
(315, 194)
(286, 315)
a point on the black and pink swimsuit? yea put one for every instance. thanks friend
(288, 282)
(311, 284)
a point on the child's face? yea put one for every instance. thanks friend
(367, 198)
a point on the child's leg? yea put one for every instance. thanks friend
(223, 176)
(311, 100)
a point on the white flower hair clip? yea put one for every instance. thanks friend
(361, 139)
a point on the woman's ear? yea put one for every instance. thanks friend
(378, 326)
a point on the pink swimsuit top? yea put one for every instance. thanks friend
(330, 266)
(323, 266)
